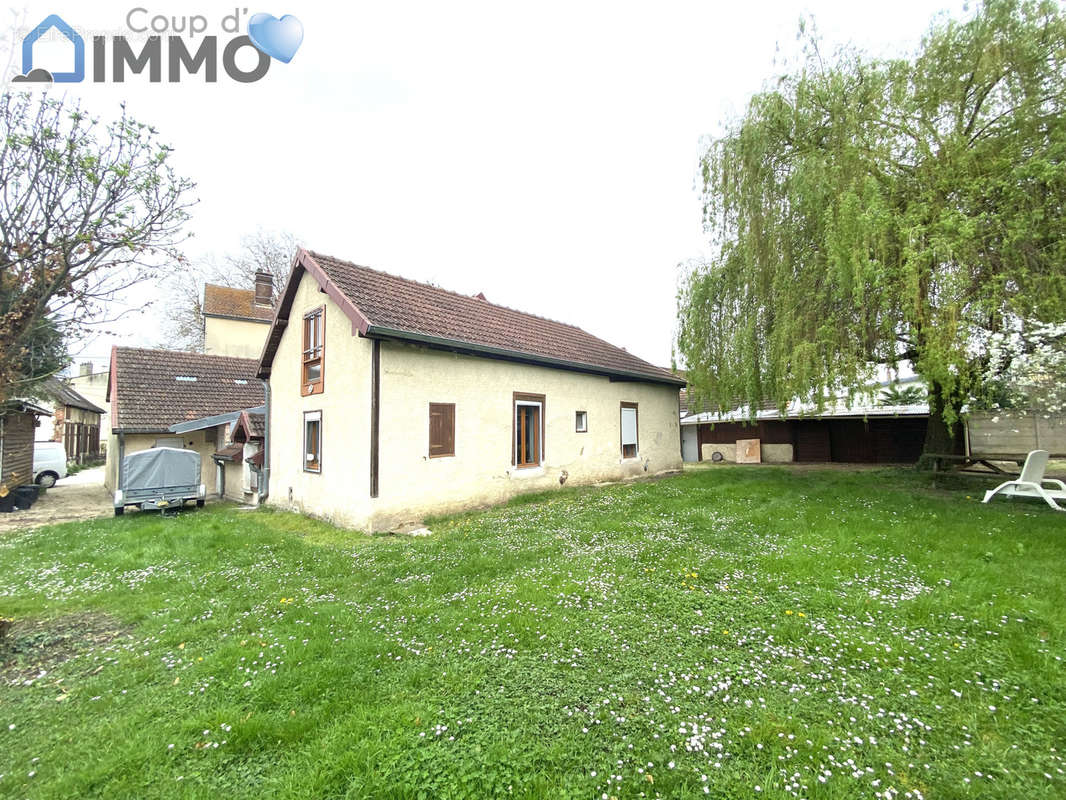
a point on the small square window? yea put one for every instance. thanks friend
(581, 421)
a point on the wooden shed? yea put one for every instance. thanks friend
(873, 440)
(18, 426)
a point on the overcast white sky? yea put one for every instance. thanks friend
(542, 153)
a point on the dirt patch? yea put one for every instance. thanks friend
(32, 648)
(78, 497)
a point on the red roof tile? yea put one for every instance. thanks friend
(225, 301)
(158, 388)
(389, 306)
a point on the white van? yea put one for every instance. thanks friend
(49, 463)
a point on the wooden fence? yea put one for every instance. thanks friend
(1011, 433)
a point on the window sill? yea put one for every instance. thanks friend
(527, 472)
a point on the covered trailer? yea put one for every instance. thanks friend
(159, 478)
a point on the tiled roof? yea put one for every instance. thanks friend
(249, 425)
(225, 301)
(385, 305)
(231, 452)
(159, 388)
(257, 425)
(64, 395)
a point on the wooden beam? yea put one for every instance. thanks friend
(375, 401)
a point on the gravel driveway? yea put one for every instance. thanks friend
(80, 496)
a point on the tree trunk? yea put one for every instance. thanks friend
(939, 436)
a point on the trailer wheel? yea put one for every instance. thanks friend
(199, 502)
(120, 511)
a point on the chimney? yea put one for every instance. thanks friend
(264, 288)
(85, 368)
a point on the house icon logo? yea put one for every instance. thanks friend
(31, 75)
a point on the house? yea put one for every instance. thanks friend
(864, 429)
(19, 420)
(92, 386)
(238, 457)
(391, 400)
(152, 390)
(76, 420)
(236, 321)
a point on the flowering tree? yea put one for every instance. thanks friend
(86, 210)
(876, 211)
(1027, 369)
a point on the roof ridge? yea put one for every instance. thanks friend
(314, 253)
(184, 353)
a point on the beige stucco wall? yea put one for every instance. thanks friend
(234, 482)
(234, 337)
(412, 485)
(205, 442)
(341, 491)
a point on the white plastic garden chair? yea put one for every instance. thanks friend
(1031, 483)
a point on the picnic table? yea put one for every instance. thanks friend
(976, 463)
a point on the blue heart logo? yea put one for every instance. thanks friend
(278, 38)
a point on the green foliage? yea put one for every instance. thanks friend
(728, 628)
(896, 395)
(870, 211)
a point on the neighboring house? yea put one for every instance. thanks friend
(236, 321)
(152, 390)
(392, 400)
(93, 387)
(18, 430)
(238, 457)
(76, 420)
(861, 431)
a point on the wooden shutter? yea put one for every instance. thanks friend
(441, 429)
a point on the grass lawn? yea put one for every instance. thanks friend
(736, 632)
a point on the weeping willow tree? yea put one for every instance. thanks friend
(871, 212)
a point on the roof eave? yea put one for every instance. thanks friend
(304, 262)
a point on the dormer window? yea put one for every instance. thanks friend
(314, 352)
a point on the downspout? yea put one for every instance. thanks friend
(680, 430)
(120, 472)
(2, 449)
(264, 473)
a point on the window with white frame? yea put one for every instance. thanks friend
(629, 430)
(312, 441)
(528, 435)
